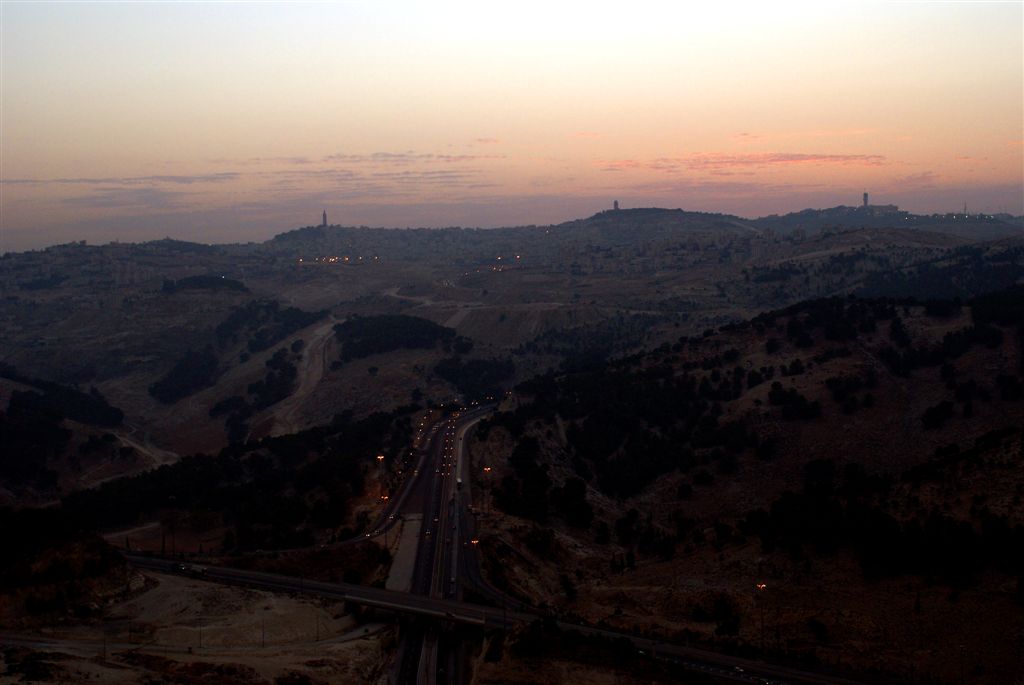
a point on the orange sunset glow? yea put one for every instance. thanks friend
(233, 122)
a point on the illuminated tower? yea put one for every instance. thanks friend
(324, 223)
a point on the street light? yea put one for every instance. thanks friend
(487, 490)
(761, 587)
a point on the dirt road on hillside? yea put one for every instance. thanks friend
(287, 414)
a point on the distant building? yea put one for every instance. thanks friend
(878, 210)
(324, 223)
(615, 205)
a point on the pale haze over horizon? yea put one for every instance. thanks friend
(223, 122)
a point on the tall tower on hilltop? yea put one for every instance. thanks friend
(865, 199)
(324, 222)
(615, 206)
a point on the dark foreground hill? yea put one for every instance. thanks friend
(839, 481)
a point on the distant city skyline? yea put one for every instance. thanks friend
(229, 122)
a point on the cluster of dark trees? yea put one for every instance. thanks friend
(276, 385)
(1004, 307)
(30, 438)
(794, 404)
(203, 283)
(361, 336)
(44, 283)
(91, 408)
(989, 312)
(839, 320)
(845, 319)
(195, 370)
(32, 431)
(273, 493)
(846, 509)
(844, 389)
(782, 272)
(525, 493)
(590, 346)
(968, 271)
(905, 358)
(63, 401)
(475, 378)
(265, 323)
(50, 554)
(627, 425)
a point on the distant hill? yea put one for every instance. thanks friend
(972, 226)
(623, 226)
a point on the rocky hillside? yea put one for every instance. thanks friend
(838, 481)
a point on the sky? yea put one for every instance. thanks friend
(232, 122)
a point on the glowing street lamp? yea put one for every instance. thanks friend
(761, 587)
(487, 490)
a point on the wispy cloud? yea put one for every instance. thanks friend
(186, 179)
(838, 133)
(713, 161)
(254, 161)
(713, 187)
(924, 179)
(127, 198)
(404, 158)
(441, 177)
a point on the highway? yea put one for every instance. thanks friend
(431, 647)
(390, 600)
(425, 649)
